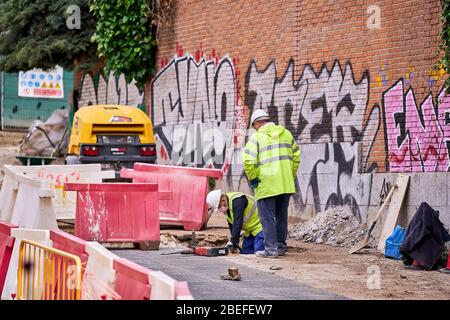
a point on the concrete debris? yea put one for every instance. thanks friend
(336, 226)
(275, 268)
(233, 274)
(170, 241)
(40, 136)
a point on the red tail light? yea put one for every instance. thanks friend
(148, 151)
(90, 151)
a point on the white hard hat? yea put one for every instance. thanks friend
(259, 114)
(213, 198)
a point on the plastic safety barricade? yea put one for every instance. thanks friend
(163, 286)
(182, 291)
(40, 236)
(58, 175)
(6, 248)
(70, 244)
(100, 277)
(31, 203)
(132, 280)
(45, 273)
(183, 192)
(8, 194)
(117, 212)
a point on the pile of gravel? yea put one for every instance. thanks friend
(336, 226)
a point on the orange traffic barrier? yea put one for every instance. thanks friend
(6, 249)
(132, 281)
(182, 291)
(45, 273)
(182, 191)
(68, 243)
(117, 212)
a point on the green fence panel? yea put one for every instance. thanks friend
(19, 112)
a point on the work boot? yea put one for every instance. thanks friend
(282, 252)
(265, 254)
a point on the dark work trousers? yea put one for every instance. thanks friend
(273, 214)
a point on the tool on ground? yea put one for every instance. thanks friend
(194, 241)
(363, 243)
(201, 251)
(233, 274)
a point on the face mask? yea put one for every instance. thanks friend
(223, 209)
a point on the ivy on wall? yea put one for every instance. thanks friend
(126, 38)
(445, 44)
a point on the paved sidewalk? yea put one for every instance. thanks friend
(203, 276)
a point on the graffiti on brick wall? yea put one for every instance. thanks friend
(417, 138)
(195, 111)
(327, 112)
(329, 176)
(114, 91)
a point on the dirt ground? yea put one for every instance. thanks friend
(9, 142)
(366, 275)
(321, 266)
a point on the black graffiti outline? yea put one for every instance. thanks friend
(357, 135)
(95, 78)
(212, 106)
(345, 166)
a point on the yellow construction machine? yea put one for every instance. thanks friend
(115, 136)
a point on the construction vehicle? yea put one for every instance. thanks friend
(114, 135)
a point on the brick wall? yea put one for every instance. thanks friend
(344, 76)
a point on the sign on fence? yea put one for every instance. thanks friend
(37, 83)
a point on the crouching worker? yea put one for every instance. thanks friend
(242, 215)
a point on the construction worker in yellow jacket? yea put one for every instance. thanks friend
(271, 160)
(242, 215)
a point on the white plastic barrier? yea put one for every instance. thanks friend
(40, 236)
(162, 286)
(64, 201)
(33, 206)
(100, 277)
(8, 195)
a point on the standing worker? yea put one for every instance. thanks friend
(271, 159)
(242, 215)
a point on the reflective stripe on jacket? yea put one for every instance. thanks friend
(251, 224)
(272, 155)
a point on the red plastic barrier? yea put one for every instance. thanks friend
(182, 291)
(186, 205)
(132, 280)
(6, 248)
(70, 244)
(116, 212)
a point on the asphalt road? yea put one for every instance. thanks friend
(203, 276)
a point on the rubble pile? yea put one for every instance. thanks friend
(336, 226)
(40, 136)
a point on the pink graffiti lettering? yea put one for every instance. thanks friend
(416, 137)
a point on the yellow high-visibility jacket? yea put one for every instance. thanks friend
(251, 224)
(272, 155)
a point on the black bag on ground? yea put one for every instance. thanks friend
(425, 238)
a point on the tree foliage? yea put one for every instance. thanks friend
(34, 33)
(126, 38)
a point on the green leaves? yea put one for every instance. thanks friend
(445, 45)
(125, 38)
(34, 33)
